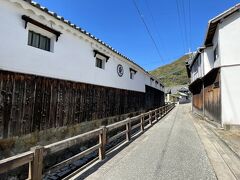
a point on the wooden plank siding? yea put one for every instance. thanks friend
(198, 102)
(212, 96)
(207, 101)
(31, 103)
(153, 98)
(197, 99)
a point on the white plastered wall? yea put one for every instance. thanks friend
(230, 38)
(230, 76)
(230, 95)
(72, 56)
(208, 60)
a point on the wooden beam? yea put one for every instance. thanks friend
(117, 136)
(118, 124)
(103, 142)
(73, 158)
(128, 129)
(55, 147)
(15, 161)
(136, 126)
(37, 163)
(150, 118)
(142, 124)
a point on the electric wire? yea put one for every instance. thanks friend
(159, 38)
(180, 25)
(148, 30)
(190, 24)
(185, 23)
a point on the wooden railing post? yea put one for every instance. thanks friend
(36, 166)
(103, 142)
(29, 171)
(128, 128)
(150, 118)
(156, 115)
(142, 123)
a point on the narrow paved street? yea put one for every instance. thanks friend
(171, 149)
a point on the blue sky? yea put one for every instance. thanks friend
(119, 24)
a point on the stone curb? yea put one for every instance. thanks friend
(227, 143)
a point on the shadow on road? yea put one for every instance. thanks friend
(109, 156)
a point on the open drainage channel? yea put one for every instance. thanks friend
(70, 168)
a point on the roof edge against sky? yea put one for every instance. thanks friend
(211, 28)
(213, 23)
(195, 56)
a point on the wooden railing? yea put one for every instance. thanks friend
(35, 156)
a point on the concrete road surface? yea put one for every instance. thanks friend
(171, 149)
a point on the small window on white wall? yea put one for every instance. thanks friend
(151, 81)
(100, 58)
(39, 41)
(39, 35)
(100, 63)
(132, 73)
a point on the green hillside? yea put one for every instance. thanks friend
(173, 74)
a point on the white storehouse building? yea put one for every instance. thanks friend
(53, 73)
(215, 70)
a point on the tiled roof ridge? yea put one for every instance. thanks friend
(55, 15)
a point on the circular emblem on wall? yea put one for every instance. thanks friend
(120, 70)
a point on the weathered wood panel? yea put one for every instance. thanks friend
(212, 96)
(31, 103)
(154, 98)
(197, 99)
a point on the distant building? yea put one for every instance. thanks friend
(215, 70)
(54, 74)
(177, 94)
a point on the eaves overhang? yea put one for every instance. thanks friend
(195, 84)
(213, 23)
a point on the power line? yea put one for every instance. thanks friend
(180, 25)
(155, 25)
(184, 22)
(190, 24)
(184, 10)
(148, 30)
